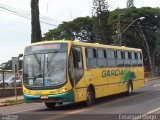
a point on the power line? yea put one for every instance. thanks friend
(27, 15)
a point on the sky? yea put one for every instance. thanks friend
(15, 31)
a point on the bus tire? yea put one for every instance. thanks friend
(90, 97)
(50, 105)
(129, 88)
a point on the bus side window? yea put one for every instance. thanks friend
(78, 63)
(111, 58)
(91, 58)
(127, 60)
(120, 62)
(133, 59)
(139, 59)
(101, 58)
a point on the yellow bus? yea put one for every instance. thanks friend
(73, 71)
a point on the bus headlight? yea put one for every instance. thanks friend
(62, 90)
(25, 91)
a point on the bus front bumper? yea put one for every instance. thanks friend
(63, 97)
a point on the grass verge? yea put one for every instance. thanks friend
(13, 102)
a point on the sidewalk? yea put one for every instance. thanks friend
(9, 98)
(151, 78)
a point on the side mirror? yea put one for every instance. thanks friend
(20, 55)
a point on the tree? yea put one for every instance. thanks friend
(36, 35)
(80, 28)
(147, 47)
(141, 34)
(100, 15)
(99, 6)
(130, 3)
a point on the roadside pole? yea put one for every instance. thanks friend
(15, 67)
(15, 84)
(3, 79)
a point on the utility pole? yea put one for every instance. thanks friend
(119, 27)
(36, 35)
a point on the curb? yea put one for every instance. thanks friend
(5, 104)
(151, 79)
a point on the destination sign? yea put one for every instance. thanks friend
(45, 47)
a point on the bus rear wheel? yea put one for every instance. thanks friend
(50, 105)
(90, 97)
(130, 88)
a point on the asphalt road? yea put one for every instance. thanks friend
(145, 103)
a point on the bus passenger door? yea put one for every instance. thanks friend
(71, 69)
(77, 72)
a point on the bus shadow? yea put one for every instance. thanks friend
(115, 97)
(81, 105)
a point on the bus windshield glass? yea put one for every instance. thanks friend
(45, 65)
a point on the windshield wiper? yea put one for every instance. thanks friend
(37, 59)
(39, 63)
(52, 58)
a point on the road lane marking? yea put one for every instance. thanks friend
(146, 114)
(153, 111)
(25, 110)
(97, 106)
(140, 105)
(65, 114)
(156, 85)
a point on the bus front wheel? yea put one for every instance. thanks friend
(90, 97)
(50, 105)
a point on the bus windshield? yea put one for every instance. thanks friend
(44, 66)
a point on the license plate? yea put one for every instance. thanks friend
(44, 97)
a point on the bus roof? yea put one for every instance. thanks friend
(97, 45)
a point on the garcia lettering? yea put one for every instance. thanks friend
(110, 73)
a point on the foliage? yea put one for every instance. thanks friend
(102, 27)
(157, 42)
(13, 102)
(6, 65)
(100, 15)
(133, 35)
(92, 29)
(80, 28)
(99, 6)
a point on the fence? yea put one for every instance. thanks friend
(7, 84)
(4, 78)
(155, 72)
